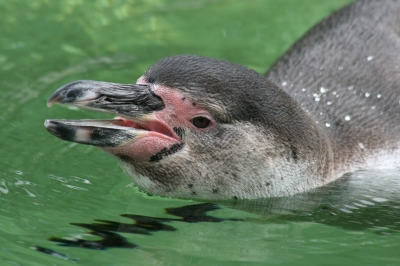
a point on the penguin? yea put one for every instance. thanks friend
(194, 127)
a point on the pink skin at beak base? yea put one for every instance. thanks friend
(159, 134)
(145, 147)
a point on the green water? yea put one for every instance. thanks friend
(46, 183)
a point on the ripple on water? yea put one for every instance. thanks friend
(3, 187)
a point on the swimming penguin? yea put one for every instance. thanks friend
(202, 128)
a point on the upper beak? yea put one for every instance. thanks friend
(127, 100)
(134, 102)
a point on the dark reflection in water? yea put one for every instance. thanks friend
(108, 231)
(53, 253)
(365, 200)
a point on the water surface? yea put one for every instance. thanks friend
(46, 184)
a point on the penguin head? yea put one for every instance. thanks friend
(195, 127)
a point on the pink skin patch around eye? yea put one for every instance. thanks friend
(159, 134)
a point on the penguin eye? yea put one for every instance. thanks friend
(201, 122)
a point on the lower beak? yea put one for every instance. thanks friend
(100, 133)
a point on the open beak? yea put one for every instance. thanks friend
(135, 105)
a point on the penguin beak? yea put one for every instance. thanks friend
(124, 99)
(135, 105)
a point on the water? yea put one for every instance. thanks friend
(46, 184)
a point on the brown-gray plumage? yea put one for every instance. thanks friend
(346, 73)
(195, 127)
